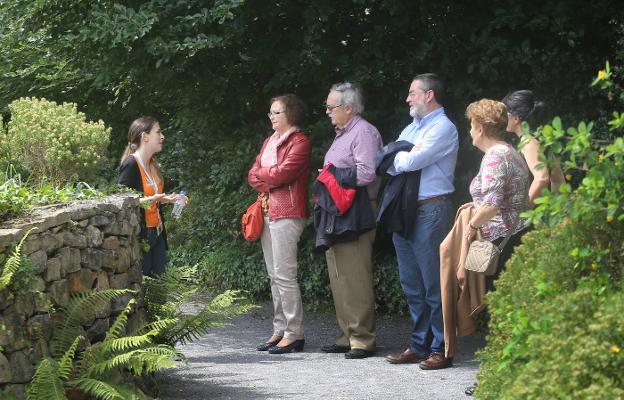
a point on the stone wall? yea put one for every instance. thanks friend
(75, 247)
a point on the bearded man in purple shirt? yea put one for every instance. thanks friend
(350, 264)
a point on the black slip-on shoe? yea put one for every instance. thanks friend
(354, 354)
(334, 348)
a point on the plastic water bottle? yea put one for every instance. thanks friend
(178, 206)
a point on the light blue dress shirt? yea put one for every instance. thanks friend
(435, 152)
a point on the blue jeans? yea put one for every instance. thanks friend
(419, 270)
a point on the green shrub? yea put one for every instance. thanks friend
(389, 296)
(550, 309)
(55, 142)
(239, 266)
(17, 197)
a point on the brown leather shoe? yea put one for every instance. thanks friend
(407, 356)
(436, 361)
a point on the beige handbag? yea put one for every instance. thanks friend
(483, 255)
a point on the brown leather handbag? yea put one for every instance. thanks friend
(252, 221)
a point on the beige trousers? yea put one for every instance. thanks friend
(350, 269)
(279, 244)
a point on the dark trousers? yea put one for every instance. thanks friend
(155, 260)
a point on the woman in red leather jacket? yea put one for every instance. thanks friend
(281, 174)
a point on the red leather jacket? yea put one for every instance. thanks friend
(287, 181)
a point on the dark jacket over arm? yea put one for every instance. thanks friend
(398, 205)
(334, 225)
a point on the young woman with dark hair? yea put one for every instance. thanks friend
(140, 171)
(523, 107)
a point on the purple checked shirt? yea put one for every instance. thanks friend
(357, 145)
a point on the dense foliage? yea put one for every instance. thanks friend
(208, 69)
(53, 142)
(18, 197)
(556, 329)
(98, 370)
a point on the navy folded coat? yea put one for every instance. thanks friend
(398, 204)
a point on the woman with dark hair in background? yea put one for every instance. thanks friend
(280, 174)
(523, 107)
(140, 171)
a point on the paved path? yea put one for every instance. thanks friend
(225, 365)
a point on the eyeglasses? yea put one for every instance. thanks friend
(413, 93)
(274, 113)
(331, 108)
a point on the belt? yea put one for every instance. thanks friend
(158, 229)
(430, 200)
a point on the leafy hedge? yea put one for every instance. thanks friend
(556, 328)
(205, 70)
(240, 265)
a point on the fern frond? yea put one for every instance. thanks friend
(104, 365)
(46, 384)
(150, 359)
(13, 263)
(119, 326)
(66, 363)
(97, 389)
(81, 308)
(84, 359)
(216, 314)
(148, 362)
(131, 393)
(165, 295)
(160, 325)
(126, 343)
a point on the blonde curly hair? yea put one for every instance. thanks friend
(491, 115)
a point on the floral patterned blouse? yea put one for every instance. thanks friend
(502, 182)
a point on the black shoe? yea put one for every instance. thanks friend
(334, 348)
(268, 345)
(297, 345)
(469, 391)
(358, 353)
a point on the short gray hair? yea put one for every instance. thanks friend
(351, 95)
(433, 82)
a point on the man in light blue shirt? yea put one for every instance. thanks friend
(434, 153)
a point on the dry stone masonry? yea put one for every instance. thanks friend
(93, 244)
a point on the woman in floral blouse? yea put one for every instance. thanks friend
(500, 189)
